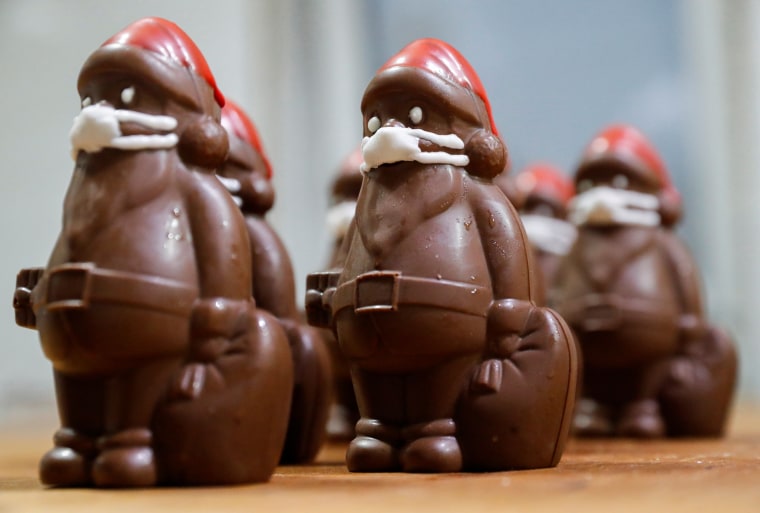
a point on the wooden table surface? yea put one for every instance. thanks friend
(721, 476)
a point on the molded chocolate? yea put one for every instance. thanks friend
(654, 365)
(165, 370)
(454, 366)
(545, 192)
(344, 191)
(247, 174)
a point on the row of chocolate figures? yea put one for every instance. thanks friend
(619, 275)
(168, 314)
(436, 297)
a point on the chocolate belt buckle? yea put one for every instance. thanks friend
(377, 291)
(69, 286)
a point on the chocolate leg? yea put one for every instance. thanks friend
(80, 407)
(126, 458)
(381, 405)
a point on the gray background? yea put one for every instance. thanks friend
(685, 72)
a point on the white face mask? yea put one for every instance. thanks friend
(339, 218)
(605, 206)
(98, 127)
(391, 144)
(549, 234)
(233, 186)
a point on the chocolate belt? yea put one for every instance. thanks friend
(607, 312)
(78, 285)
(386, 291)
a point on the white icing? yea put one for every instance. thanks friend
(98, 127)
(391, 144)
(152, 121)
(604, 205)
(231, 184)
(373, 124)
(549, 234)
(620, 182)
(415, 115)
(339, 218)
(128, 94)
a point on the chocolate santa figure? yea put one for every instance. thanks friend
(454, 366)
(545, 193)
(343, 193)
(629, 288)
(165, 371)
(247, 175)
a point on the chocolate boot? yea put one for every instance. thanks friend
(433, 448)
(126, 460)
(69, 462)
(374, 449)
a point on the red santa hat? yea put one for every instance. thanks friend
(445, 62)
(435, 70)
(236, 122)
(547, 183)
(627, 146)
(161, 52)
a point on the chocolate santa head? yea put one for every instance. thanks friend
(622, 180)
(149, 87)
(545, 193)
(427, 104)
(247, 173)
(545, 189)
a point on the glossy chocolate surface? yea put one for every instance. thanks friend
(247, 173)
(454, 366)
(654, 365)
(544, 192)
(165, 370)
(343, 194)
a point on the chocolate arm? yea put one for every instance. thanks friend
(504, 244)
(686, 281)
(321, 286)
(219, 236)
(223, 312)
(272, 271)
(509, 329)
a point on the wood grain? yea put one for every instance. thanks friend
(719, 476)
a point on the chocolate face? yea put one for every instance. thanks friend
(145, 308)
(253, 190)
(654, 366)
(544, 193)
(435, 294)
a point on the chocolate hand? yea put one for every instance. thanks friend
(510, 324)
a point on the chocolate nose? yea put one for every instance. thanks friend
(395, 123)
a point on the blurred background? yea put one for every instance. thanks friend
(686, 72)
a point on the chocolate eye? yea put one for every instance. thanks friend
(86, 102)
(415, 115)
(373, 125)
(620, 182)
(127, 95)
(584, 185)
